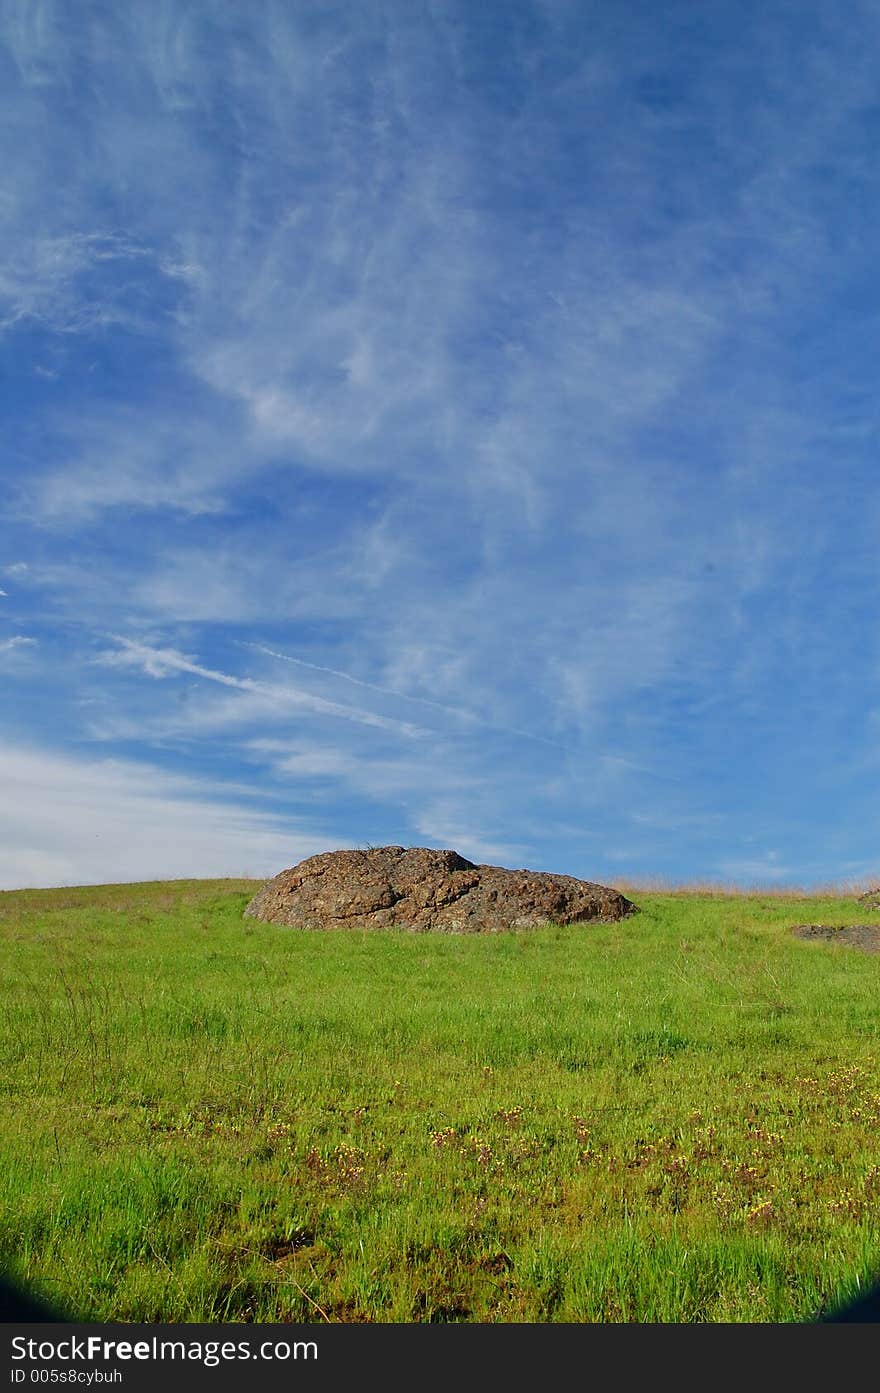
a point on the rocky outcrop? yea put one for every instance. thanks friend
(428, 891)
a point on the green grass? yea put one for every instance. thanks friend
(205, 1118)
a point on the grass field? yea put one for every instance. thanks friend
(205, 1118)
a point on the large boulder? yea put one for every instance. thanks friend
(425, 890)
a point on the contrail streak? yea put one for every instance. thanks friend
(458, 711)
(157, 662)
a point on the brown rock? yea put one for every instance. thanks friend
(424, 891)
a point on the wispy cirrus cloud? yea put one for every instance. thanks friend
(50, 281)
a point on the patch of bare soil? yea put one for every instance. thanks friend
(864, 936)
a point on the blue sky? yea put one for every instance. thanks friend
(440, 424)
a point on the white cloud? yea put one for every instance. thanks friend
(409, 777)
(134, 458)
(443, 824)
(16, 644)
(72, 821)
(756, 870)
(241, 581)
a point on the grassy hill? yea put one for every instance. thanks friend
(205, 1118)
